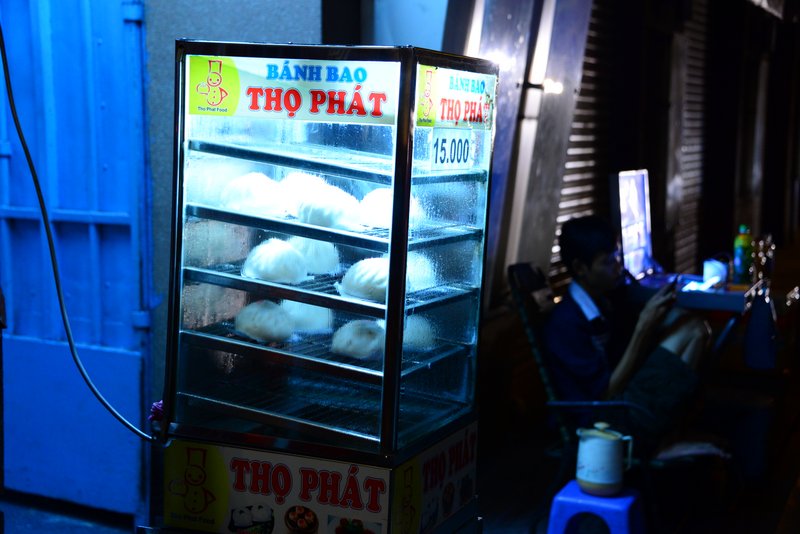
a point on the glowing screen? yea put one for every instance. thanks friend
(634, 210)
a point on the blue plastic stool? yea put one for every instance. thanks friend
(622, 512)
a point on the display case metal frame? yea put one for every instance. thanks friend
(385, 449)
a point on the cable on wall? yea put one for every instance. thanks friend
(46, 220)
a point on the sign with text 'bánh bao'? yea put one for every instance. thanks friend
(448, 98)
(454, 104)
(360, 92)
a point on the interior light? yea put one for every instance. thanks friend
(503, 60)
(552, 86)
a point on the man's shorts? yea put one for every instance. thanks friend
(663, 385)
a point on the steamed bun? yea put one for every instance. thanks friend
(369, 278)
(253, 193)
(376, 209)
(265, 321)
(262, 513)
(328, 206)
(308, 317)
(321, 257)
(205, 176)
(296, 186)
(362, 339)
(419, 333)
(420, 272)
(275, 260)
(241, 518)
(366, 279)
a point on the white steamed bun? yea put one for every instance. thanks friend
(369, 278)
(275, 260)
(241, 518)
(262, 513)
(253, 193)
(321, 257)
(419, 333)
(264, 321)
(328, 206)
(376, 209)
(362, 339)
(366, 279)
(205, 177)
(296, 186)
(420, 272)
(308, 317)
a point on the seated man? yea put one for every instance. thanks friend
(598, 346)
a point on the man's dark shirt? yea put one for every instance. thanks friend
(581, 355)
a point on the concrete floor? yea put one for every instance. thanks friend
(513, 471)
(21, 514)
(761, 495)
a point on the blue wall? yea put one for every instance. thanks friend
(77, 77)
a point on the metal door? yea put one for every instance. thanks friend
(76, 69)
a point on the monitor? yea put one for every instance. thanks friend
(630, 207)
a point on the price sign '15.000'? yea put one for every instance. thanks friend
(452, 149)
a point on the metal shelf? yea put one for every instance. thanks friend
(312, 351)
(374, 239)
(349, 411)
(321, 160)
(321, 291)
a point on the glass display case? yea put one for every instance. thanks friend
(327, 264)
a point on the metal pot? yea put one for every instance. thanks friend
(603, 457)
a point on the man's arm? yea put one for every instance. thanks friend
(650, 318)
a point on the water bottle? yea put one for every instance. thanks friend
(743, 256)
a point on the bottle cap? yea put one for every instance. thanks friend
(743, 229)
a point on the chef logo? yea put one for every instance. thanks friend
(196, 497)
(212, 86)
(426, 100)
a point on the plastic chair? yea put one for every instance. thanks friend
(534, 300)
(622, 513)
